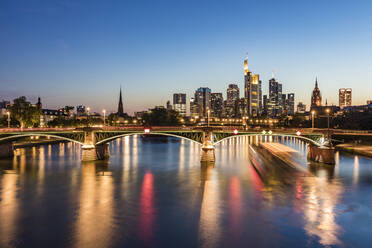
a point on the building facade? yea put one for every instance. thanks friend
(217, 105)
(344, 97)
(179, 103)
(232, 93)
(202, 101)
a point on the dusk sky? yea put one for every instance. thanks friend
(80, 52)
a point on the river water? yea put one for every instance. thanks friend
(153, 192)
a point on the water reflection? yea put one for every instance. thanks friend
(94, 222)
(320, 199)
(209, 224)
(147, 210)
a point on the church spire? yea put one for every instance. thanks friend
(316, 82)
(120, 105)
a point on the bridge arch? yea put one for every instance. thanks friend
(17, 136)
(306, 139)
(142, 133)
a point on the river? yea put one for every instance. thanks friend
(153, 192)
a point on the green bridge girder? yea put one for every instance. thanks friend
(102, 136)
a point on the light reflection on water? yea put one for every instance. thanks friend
(154, 193)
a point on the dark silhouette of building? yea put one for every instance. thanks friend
(217, 104)
(120, 106)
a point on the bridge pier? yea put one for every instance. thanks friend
(208, 154)
(321, 154)
(6, 150)
(98, 152)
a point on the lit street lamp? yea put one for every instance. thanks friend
(328, 110)
(208, 111)
(312, 119)
(8, 113)
(104, 117)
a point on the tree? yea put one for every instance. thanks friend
(161, 117)
(27, 114)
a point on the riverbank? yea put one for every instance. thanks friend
(365, 150)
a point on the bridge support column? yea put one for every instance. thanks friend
(321, 154)
(6, 150)
(91, 151)
(208, 154)
(98, 152)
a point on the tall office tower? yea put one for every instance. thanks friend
(203, 100)
(254, 96)
(301, 108)
(247, 79)
(260, 104)
(344, 97)
(193, 108)
(290, 104)
(265, 105)
(120, 105)
(179, 103)
(241, 108)
(283, 104)
(316, 97)
(231, 101)
(273, 101)
(217, 104)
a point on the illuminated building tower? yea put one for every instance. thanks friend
(254, 96)
(273, 101)
(179, 103)
(120, 105)
(203, 100)
(344, 97)
(316, 98)
(247, 81)
(217, 104)
(231, 101)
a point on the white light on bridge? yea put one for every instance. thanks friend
(270, 132)
(147, 130)
(298, 133)
(263, 132)
(235, 131)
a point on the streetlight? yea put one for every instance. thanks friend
(8, 113)
(208, 111)
(328, 110)
(88, 109)
(104, 117)
(312, 119)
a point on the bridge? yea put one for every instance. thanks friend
(95, 141)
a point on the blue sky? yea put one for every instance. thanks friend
(80, 52)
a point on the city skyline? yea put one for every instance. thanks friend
(85, 63)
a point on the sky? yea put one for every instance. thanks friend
(81, 52)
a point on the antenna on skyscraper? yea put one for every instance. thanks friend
(272, 73)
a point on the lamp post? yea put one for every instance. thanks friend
(8, 113)
(88, 109)
(312, 119)
(208, 112)
(328, 110)
(104, 117)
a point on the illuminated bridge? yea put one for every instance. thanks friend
(95, 141)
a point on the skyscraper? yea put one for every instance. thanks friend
(217, 104)
(252, 91)
(290, 104)
(316, 98)
(273, 105)
(344, 97)
(193, 107)
(301, 108)
(179, 103)
(232, 93)
(254, 96)
(120, 105)
(203, 100)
